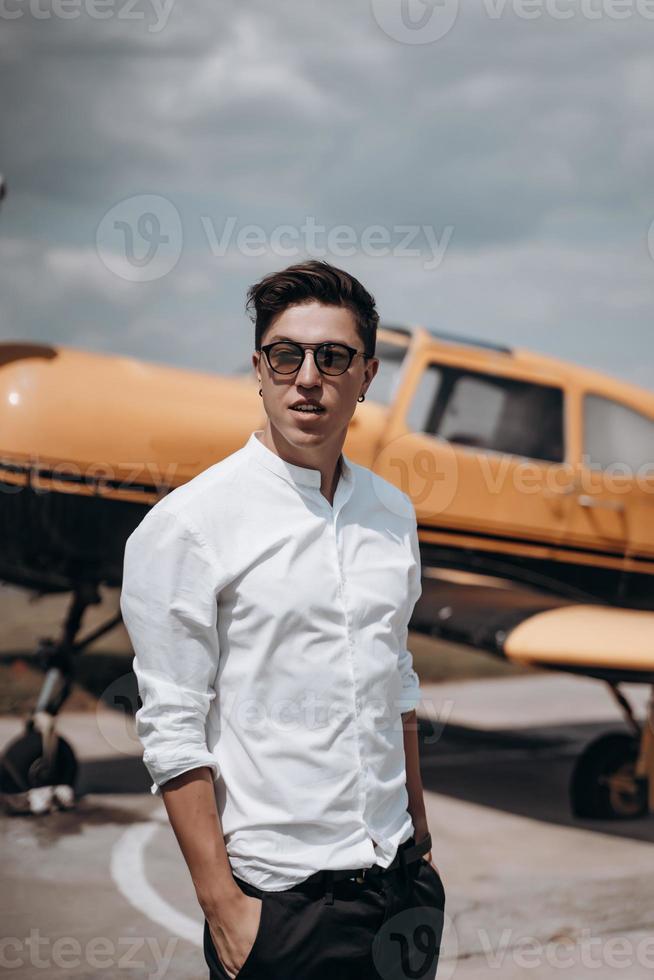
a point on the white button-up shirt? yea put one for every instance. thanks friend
(270, 637)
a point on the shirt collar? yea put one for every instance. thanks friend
(302, 475)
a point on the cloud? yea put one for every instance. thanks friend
(531, 139)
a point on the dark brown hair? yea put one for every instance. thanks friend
(312, 281)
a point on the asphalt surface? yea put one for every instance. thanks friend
(531, 892)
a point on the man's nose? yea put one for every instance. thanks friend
(308, 374)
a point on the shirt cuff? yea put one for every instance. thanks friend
(411, 695)
(161, 775)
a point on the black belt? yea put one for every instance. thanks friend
(406, 853)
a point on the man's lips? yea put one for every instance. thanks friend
(307, 408)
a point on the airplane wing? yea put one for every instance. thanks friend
(528, 627)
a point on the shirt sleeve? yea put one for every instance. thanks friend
(411, 694)
(169, 606)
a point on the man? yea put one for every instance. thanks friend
(268, 602)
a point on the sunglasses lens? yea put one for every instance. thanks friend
(284, 358)
(333, 359)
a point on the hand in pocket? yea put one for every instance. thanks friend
(427, 857)
(235, 931)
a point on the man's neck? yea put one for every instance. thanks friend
(327, 486)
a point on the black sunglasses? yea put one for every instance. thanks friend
(286, 357)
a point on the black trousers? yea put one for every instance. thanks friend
(386, 927)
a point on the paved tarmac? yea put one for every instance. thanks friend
(103, 891)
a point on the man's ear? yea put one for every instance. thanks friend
(371, 368)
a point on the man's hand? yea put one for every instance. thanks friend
(427, 857)
(421, 831)
(234, 929)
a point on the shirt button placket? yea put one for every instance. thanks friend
(357, 703)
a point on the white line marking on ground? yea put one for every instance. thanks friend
(129, 875)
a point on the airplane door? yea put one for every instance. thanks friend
(480, 453)
(614, 501)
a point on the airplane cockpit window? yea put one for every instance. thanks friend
(490, 412)
(473, 412)
(424, 399)
(384, 384)
(616, 435)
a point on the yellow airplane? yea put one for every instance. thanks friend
(525, 471)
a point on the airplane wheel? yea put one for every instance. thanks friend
(603, 785)
(23, 766)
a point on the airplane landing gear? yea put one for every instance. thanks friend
(613, 778)
(38, 769)
(604, 784)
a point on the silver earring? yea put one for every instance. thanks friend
(361, 398)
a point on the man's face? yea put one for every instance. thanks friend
(313, 323)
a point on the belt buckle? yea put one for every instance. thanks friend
(361, 877)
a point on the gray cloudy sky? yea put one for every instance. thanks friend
(495, 180)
